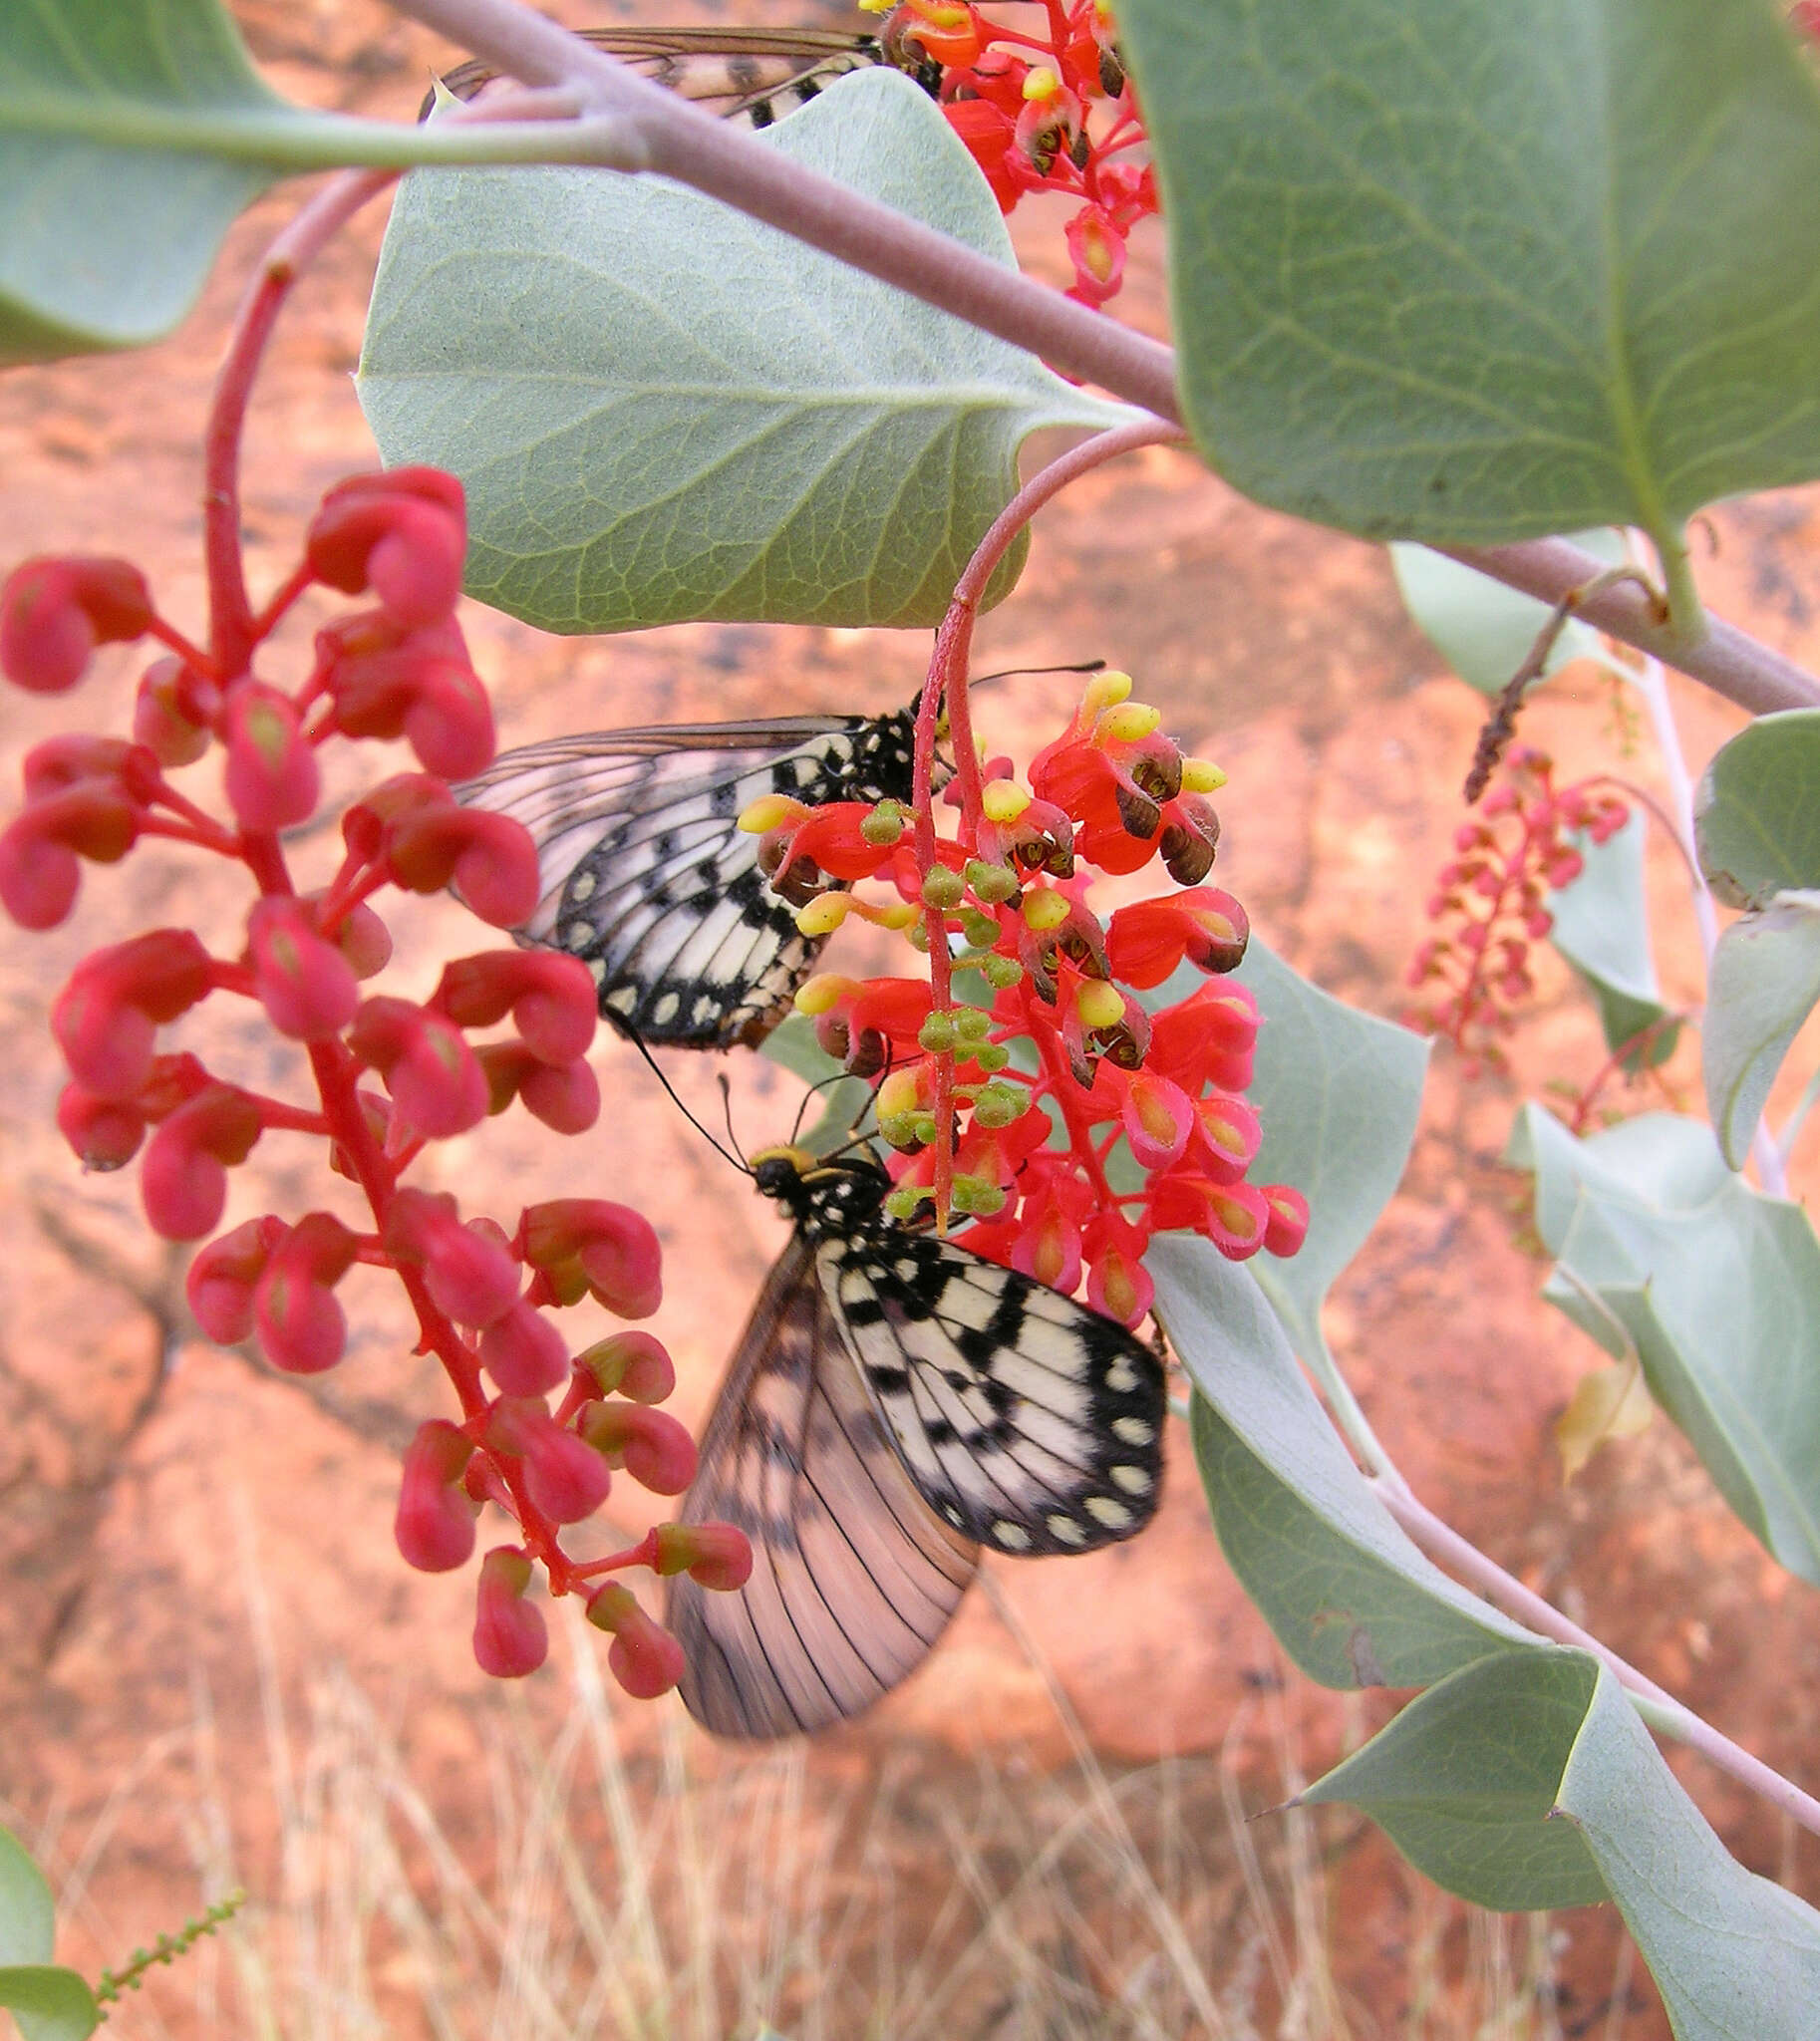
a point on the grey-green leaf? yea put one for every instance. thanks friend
(1463, 271)
(1602, 928)
(1756, 815)
(1717, 1288)
(1347, 1595)
(1483, 629)
(27, 1924)
(664, 411)
(1528, 1780)
(49, 2002)
(1764, 981)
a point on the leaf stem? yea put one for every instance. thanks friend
(1655, 1704)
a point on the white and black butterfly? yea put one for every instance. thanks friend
(896, 1403)
(736, 71)
(647, 878)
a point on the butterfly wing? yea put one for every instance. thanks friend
(729, 71)
(1027, 1421)
(644, 875)
(853, 1576)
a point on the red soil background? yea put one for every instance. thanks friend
(148, 1477)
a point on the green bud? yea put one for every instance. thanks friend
(886, 824)
(924, 1123)
(900, 1130)
(979, 929)
(937, 1034)
(902, 1202)
(994, 884)
(977, 1198)
(1002, 972)
(917, 936)
(991, 1056)
(999, 1104)
(942, 889)
(970, 1024)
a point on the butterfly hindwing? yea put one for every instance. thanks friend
(645, 875)
(853, 1578)
(896, 1402)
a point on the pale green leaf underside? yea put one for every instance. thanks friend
(1483, 629)
(1469, 272)
(1757, 820)
(663, 411)
(49, 2002)
(1717, 1288)
(1602, 928)
(1527, 1781)
(27, 1921)
(1349, 1598)
(1764, 981)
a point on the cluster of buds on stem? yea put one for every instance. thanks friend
(390, 1075)
(1045, 111)
(1057, 1111)
(1492, 902)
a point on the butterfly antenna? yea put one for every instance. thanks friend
(727, 1114)
(1011, 673)
(637, 1042)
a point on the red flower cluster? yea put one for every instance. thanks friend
(1143, 1100)
(1025, 104)
(484, 1294)
(1508, 858)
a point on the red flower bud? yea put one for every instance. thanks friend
(633, 1364)
(1158, 1118)
(105, 1018)
(39, 872)
(435, 1081)
(301, 1327)
(550, 997)
(273, 781)
(713, 1556)
(105, 1132)
(435, 1527)
(644, 1657)
(564, 1476)
(1286, 1227)
(391, 680)
(468, 1274)
(54, 612)
(172, 712)
(403, 534)
(222, 1277)
(585, 1245)
(183, 1179)
(524, 1352)
(306, 985)
(652, 1447)
(1148, 940)
(489, 859)
(509, 1634)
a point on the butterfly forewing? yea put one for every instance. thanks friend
(895, 1404)
(853, 1578)
(645, 875)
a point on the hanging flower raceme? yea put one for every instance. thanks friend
(1083, 1118)
(486, 1294)
(1042, 108)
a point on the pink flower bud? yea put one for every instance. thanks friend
(649, 1444)
(1048, 1246)
(105, 1018)
(360, 937)
(435, 1081)
(105, 1132)
(172, 712)
(1227, 1136)
(54, 612)
(468, 1275)
(550, 997)
(645, 1659)
(564, 1476)
(222, 1277)
(272, 781)
(435, 1527)
(38, 849)
(183, 1179)
(524, 1352)
(306, 985)
(509, 1636)
(389, 680)
(1118, 1285)
(403, 534)
(587, 1245)
(633, 1364)
(1159, 1119)
(715, 1556)
(300, 1325)
(68, 761)
(1286, 1227)
(489, 859)
(566, 1099)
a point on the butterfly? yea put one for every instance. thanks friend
(896, 1403)
(646, 876)
(736, 71)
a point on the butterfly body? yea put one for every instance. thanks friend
(645, 875)
(896, 1403)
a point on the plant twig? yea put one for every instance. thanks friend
(1671, 1717)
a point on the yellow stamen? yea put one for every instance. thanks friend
(824, 992)
(1041, 84)
(770, 811)
(824, 914)
(894, 914)
(1129, 723)
(898, 1096)
(1004, 800)
(1102, 690)
(1201, 775)
(1100, 1005)
(1046, 909)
